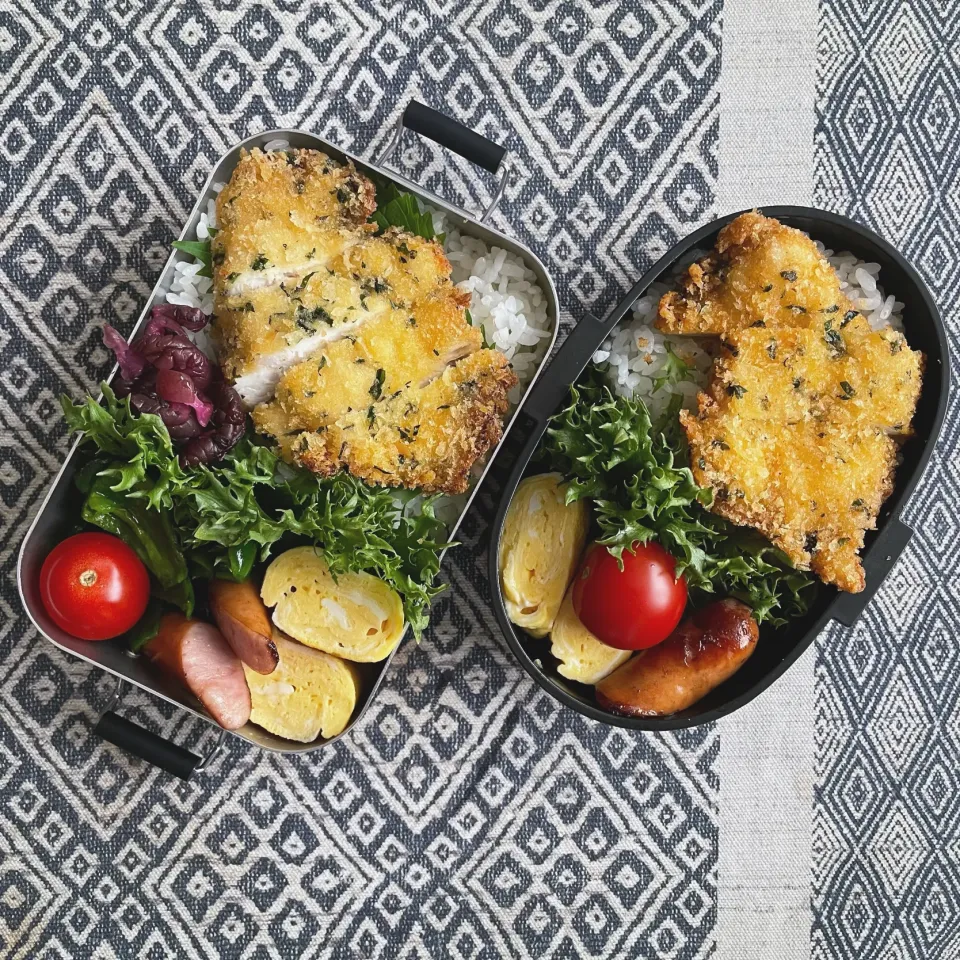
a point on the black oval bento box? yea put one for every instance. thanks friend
(777, 648)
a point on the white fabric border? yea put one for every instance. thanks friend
(766, 763)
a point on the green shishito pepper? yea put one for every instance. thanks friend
(148, 532)
(241, 559)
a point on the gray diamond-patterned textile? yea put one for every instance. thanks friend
(886, 816)
(468, 815)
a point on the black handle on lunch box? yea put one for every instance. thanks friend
(147, 746)
(883, 553)
(453, 135)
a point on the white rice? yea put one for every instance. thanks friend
(506, 300)
(860, 281)
(633, 356)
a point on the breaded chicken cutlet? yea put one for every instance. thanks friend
(760, 273)
(346, 327)
(797, 433)
(296, 263)
(426, 436)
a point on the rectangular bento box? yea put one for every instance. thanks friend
(60, 505)
(778, 648)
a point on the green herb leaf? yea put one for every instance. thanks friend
(833, 339)
(487, 345)
(672, 370)
(398, 209)
(199, 249)
(377, 388)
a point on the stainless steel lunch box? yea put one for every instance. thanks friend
(60, 503)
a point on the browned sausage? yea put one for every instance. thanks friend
(244, 623)
(706, 649)
(197, 654)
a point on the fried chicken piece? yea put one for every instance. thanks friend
(795, 437)
(392, 354)
(274, 320)
(297, 314)
(360, 339)
(400, 266)
(284, 214)
(785, 376)
(425, 437)
(297, 266)
(760, 273)
(811, 492)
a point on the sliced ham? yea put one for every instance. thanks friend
(245, 624)
(196, 653)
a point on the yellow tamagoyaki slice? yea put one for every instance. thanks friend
(582, 656)
(309, 694)
(356, 616)
(543, 538)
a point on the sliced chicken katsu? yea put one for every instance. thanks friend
(272, 326)
(284, 214)
(353, 347)
(761, 273)
(796, 436)
(392, 353)
(424, 436)
(400, 267)
(297, 265)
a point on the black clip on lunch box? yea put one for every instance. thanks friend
(778, 648)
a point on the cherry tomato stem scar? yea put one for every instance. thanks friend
(88, 578)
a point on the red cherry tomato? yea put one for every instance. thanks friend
(633, 608)
(94, 586)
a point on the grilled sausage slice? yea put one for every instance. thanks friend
(244, 623)
(706, 649)
(196, 653)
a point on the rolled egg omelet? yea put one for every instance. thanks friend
(542, 541)
(582, 656)
(309, 694)
(357, 617)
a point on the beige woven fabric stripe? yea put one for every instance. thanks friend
(766, 765)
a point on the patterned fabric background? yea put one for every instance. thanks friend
(887, 813)
(468, 815)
